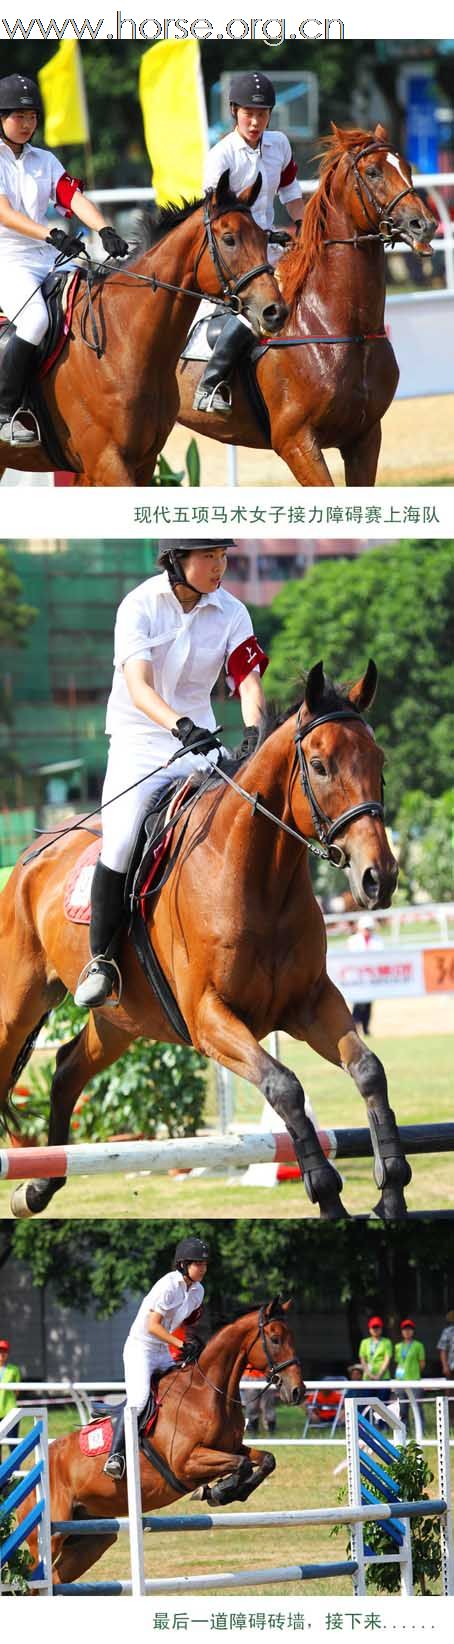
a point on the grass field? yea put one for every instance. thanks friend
(303, 1478)
(420, 1081)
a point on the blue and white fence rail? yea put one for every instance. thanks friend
(395, 1515)
(16, 1488)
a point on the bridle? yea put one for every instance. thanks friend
(325, 829)
(230, 288)
(273, 1377)
(381, 222)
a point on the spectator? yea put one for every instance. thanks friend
(375, 1352)
(445, 1347)
(410, 1356)
(363, 937)
(259, 1403)
(9, 1373)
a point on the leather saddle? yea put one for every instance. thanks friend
(200, 343)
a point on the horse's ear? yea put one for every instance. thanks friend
(272, 1308)
(287, 1305)
(222, 192)
(362, 694)
(250, 195)
(381, 134)
(314, 687)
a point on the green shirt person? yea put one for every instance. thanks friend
(376, 1351)
(9, 1373)
(410, 1354)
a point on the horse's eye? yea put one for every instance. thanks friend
(372, 171)
(318, 766)
(229, 239)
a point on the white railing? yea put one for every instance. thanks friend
(81, 1393)
(433, 180)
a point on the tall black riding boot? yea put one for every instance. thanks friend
(17, 359)
(115, 1465)
(213, 392)
(101, 975)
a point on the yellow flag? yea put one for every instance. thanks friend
(172, 100)
(61, 84)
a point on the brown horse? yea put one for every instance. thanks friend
(198, 1433)
(238, 933)
(321, 392)
(113, 409)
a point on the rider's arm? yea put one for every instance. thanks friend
(87, 211)
(155, 1327)
(252, 699)
(139, 679)
(295, 209)
(20, 223)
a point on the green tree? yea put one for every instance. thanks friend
(15, 620)
(395, 604)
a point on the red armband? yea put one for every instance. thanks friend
(288, 174)
(66, 187)
(247, 656)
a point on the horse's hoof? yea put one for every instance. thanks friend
(391, 1207)
(20, 1208)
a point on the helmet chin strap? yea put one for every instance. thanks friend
(179, 575)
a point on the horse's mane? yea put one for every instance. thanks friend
(295, 265)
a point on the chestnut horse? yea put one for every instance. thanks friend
(333, 387)
(238, 933)
(113, 408)
(198, 1432)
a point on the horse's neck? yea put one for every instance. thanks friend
(224, 1359)
(268, 774)
(347, 285)
(172, 260)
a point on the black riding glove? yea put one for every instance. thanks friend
(195, 738)
(190, 1353)
(70, 244)
(250, 741)
(113, 242)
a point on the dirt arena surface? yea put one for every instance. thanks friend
(417, 449)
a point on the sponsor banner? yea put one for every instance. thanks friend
(393, 972)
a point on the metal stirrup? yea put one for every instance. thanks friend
(102, 958)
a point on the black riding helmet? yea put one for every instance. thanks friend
(253, 90)
(172, 554)
(17, 93)
(189, 1250)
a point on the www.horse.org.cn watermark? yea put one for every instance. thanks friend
(272, 30)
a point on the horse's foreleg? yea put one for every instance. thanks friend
(263, 1463)
(333, 1034)
(361, 459)
(218, 1476)
(226, 1039)
(98, 1045)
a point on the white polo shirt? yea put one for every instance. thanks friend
(187, 652)
(173, 1300)
(29, 181)
(272, 157)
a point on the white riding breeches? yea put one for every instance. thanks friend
(17, 283)
(121, 818)
(140, 1361)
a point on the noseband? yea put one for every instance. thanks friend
(325, 829)
(274, 1369)
(230, 288)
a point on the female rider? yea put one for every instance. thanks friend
(30, 180)
(173, 634)
(175, 1298)
(247, 150)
